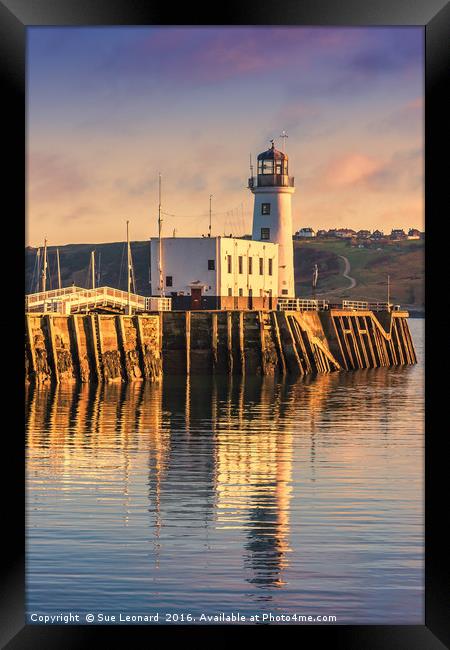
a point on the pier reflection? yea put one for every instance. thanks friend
(217, 455)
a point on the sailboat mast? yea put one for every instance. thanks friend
(44, 268)
(93, 268)
(59, 268)
(38, 270)
(128, 271)
(161, 283)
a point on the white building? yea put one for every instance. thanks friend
(217, 272)
(305, 233)
(229, 272)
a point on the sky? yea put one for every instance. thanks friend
(110, 108)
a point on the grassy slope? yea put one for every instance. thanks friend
(404, 262)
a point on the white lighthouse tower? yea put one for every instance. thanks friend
(272, 214)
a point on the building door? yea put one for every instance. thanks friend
(196, 298)
(236, 302)
(270, 299)
(250, 298)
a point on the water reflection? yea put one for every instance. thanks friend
(247, 490)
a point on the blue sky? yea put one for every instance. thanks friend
(109, 108)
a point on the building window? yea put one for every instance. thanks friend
(265, 233)
(169, 281)
(211, 265)
(229, 264)
(230, 292)
(240, 263)
(241, 292)
(284, 291)
(261, 266)
(270, 266)
(250, 265)
(265, 208)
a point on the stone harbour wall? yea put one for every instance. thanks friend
(118, 348)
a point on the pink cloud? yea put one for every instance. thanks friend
(415, 104)
(349, 169)
(52, 175)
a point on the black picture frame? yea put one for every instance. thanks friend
(434, 16)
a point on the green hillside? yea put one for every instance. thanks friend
(403, 261)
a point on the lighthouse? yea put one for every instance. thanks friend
(272, 214)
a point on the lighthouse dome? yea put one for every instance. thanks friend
(272, 154)
(272, 170)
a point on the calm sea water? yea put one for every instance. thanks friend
(213, 495)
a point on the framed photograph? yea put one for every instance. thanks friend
(224, 222)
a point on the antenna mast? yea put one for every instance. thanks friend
(93, 268)
(161, 283)
(128, 272)
(98, 267)
(59, 268)
(38, 270)
(284, 135)
(209, 232)
(44, 268)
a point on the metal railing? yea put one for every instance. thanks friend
(355, 305)
(360, 305)
(42, 296)
(73, 299)
(300, 304)
(271, 180)
(157, 303)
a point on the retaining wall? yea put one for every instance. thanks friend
(117, 348)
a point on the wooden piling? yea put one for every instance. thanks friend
(230, 341)
(299, 344)
(94, 345)
(263, 342)
(282, 360)
(214, 339)
(241, 341)
(32, 351)
(52, 343)
(73, 324)
(140, 343)
(337, 329)
(120, 328)
(188, 341)
(292, 344)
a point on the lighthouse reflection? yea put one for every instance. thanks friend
(220, 447)
(208, 461)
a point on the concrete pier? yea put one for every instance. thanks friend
(111, 348)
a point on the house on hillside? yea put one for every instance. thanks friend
(305, 233)
(377, 234)
(363, 234)
(413, 233)
(321, 233)
(345, 233)
(397, 234)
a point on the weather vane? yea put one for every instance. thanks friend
(284, 135)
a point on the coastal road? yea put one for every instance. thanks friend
(346, 275)
(346, 271)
